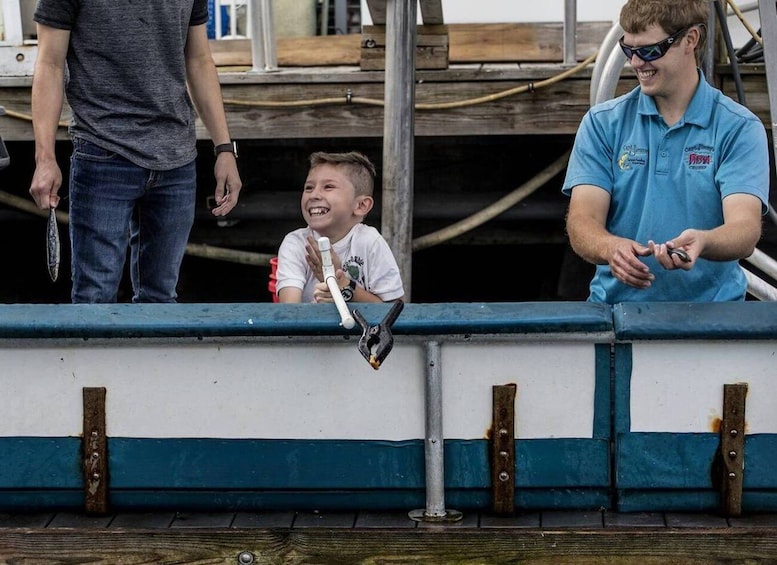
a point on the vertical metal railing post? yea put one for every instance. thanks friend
(570, 32)
(262, 36)
(434, 454)
(768, 15)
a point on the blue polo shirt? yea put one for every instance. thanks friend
(663, 180)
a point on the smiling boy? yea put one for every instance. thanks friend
(336, 198)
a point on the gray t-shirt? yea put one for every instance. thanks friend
(126, 75)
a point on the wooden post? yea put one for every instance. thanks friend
(399, 135)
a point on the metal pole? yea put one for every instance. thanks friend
(570, 32)
(768, 14)
(262, 36)
(399, 134)
(434, 455)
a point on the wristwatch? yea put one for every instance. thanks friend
(230, 147)
(347, 291)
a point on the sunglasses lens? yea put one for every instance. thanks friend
(650, 53)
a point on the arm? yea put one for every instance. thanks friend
(205, 91)
(47, 100)
(586, 221)
(360, 294)
(735, 239)
(290, 295)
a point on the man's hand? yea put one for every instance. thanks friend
(626, 266)
(228, 184)
(45, 184)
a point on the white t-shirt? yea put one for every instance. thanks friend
(365, 256)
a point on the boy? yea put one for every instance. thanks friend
(336, 198)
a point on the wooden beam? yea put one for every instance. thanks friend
(468, 43)
(377, 10)
(431, 12)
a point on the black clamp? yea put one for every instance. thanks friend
(376, 341)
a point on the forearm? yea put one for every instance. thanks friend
(731, 241)
(205, 91)
(589, 239)
(47, 100)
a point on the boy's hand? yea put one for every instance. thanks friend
(313, 258)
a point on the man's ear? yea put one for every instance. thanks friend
(363, 205)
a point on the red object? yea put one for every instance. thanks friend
(271, 284)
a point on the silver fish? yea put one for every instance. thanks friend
(52, 245)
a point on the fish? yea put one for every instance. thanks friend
(52, 245)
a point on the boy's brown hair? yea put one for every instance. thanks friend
(358, 168)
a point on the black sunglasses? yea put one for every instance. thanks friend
(655, 51)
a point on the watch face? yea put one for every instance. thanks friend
(347, 294)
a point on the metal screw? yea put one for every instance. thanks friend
(503, 476)
(245, 558)
(732, 476)
(732, 454)
(503, 432)
(733, 433)
(503, 454)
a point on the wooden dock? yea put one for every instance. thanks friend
(361, 538)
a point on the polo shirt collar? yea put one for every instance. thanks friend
(699, 111)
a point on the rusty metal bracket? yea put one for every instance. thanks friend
(95, 452)
(732, 448)
(502, 449)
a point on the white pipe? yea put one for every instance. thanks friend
(608, 44)
(611, 73)
(260, 20)
(763, 262)
(346, 320)
(759, 288)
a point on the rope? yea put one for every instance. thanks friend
(349, 99)
(494, 209)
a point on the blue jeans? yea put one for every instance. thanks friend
(115, 203)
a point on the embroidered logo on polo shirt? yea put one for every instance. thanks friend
(699, 156)
(632, 156)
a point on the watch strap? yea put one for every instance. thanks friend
(347, 291)
(230, 147)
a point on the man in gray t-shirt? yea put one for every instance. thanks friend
(128, 71)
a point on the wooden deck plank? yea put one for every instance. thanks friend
(522, 520)
(572, 519)
(26, 520)
(694, 520)
(634, 520)
(384, 520)
(79, 520)
(279, 519)
(325, 520)
(143, 520)
(203, 520)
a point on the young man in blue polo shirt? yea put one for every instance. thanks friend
(669, 182)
